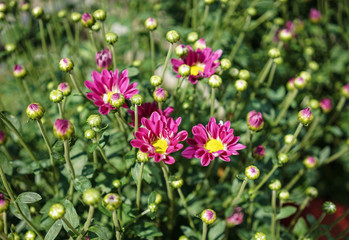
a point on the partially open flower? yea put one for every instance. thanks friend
(208, 216)
(236, 218)
(315, 15)
(309, 162)
(305, 116)
(35, 111)
(65, 88)
(151, 24)
(87, 20)
(258, 152)
(326, 105)
(19, 71)
(112, 201)
(63, 129)
(104, 59)
(252, 172)
(255, 120)
(57, 211)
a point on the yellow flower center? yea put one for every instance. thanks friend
(194, 70)
(214, 145)
(160, 146)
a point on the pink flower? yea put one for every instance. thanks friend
(236, 218)
(104, 59)
(146, 109)
(314, 15)
(158, 137)
(255, 120)
(2, 137)
(216, 140)
(326, 105)
(202, 62)
(106, 84)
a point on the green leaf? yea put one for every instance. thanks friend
(147, 230)
(54, 230)
(24, 208)
(5, 164)
(132, 71)
(92, 147)
(217, 231)
(70, 215)
(152, 197)
(101, 231)
(81, 184)
(300, 228)
(188, 232)
(286, 212)
(136, 171)
(28, 197)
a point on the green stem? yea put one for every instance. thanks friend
(310, 132)
(242, 188)
(184, 202)
(265, 178)
(117, 225)
(21, 91)
(70, 226)
(169, 194)
(112, 49)
(167, 60)
(212, 102)
(294, 137)
(77, 36)
(136, 218)
(52, 38)
(271, 75)
(13, 199)
(294, 219)
(194, 15)
(139, 186)
(3, 236)
(266, 16)
(92, 36)
(136, 118)
(103, 32)
(285, 107)
(316, 224)
(264, 73)
(203, 21)
(152, 51)
(204, 231)
(68, 31)
(336, 155)
(240, 39)
(343, 234)
(60, 110)
(273, 216)
(7, 154)
(249, 151)
(339, 219)
(187, 15)
(87, 223)
(76, 85)
(278, 223)
(70, 167)
(104, 156)
(28, 91)
(4, 217)
(294, 179)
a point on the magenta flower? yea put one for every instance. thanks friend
(305, 116)
(216, 140)
(314, 15)
(259, 152)
(326, 105)
(158, 137)
(236, 218)
(146, 109)
(104, 59)
(4, 203)
(255, 120)
(2, 137)
(202, 62)
(106, 84)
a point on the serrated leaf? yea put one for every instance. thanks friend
(101, 231)
(81, 184)
(285, 212)
(28, 197)
(54, 230)
(70, 215)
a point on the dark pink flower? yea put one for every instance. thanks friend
(326, 105)
(314, 15)
(106, 84)
(258, 152)
(158, 137)
(216, 140)
(255, 120)
(202, 62)
(2, 137)
(146, 109)
(104, 59)
(4, 203)
(236, 218)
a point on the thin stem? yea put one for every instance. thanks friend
(194, 15)
(77, 36)
(70, 226)
(271, 75)
(117, 225)
(336, 155)
(3, 236)
(112, 49)
(240, 38)
(294, 219)
(4, 218)
(273, 216)
(343, 234)
(242, 188)
(339, 219)
(185, 205)
(7, 154)
(139, 186)
(152, 51)
(136, 218)
(87, 223)
(294, 137)
(136, 118)
(169, 194)
(92, 36)
(76, 85)
(52, 38)
(68, 31)
(204, 231)
(294, 180)
(310, 132)
(316, 224)
(278, 223)
(285, 107)
(70, 167)
(28, 91)
(264, 73)
(203, 21)
(103, 32)
(249, 151)
(13, 199)
(265, 178)
(60, 110)
(187, 15)
(212, 101)
(167, 60)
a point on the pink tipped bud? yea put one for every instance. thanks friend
(192, 37)
(252, 172)
(200, 44)
(35, 111)
(305, 116)
(299, 83)
(104, 59)
(258, 152)
(66, 64)
(208, 216)
(87, 20)
(315, 15)
(2, 137)
(236, 218)
(19, 71)
(285, 35)
(290, 85)
(112, 201)
(345, 90)
(63, 129)
(151, 24)
(4, 203)
(160, 95)
(64, 88)
(181, 51)
(326, 105)
(240, 85)
(255, 120)
(309, 162)
(117, 100)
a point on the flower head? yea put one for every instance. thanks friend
(65, 88)
(326, 105)
(214, 140)
(208, 216)
(105, 85)
(19, 71)
(104, 59)
(63, 129)
(305, 116)
(202, 62)
(255, 120)
(258, 152)
(236, 218)
(314, 15)
(2, 137)
(159, 137)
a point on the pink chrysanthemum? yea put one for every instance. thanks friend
(235, 218)
(146, 109)
(105, 85)
(158, 137)
(202, 62)
(216, 140)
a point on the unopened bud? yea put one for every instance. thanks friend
(91, 197)
(75, 17)
(111, 38)
(62, 13)
(117, 100)
(56, 96)
(151, 24)
(137, 99)
(177, 183)
(244, 74)
(30, 235)
(251, 11)
(64, 88)
(57, 211)
(252, 172)
(181, 51)
(35, 111)
(274, 53)
(329, 207)
(116, 183)
(200, 44)
(225, 64)
(282, 158)
(89, 134)
(142, 157)
(275, 184)
(153, 207)
(345, 90)
(289, 139)
(215, 81)
(4, 203)
(309, 162)
(19, 71)
(299, 83)
(311, 192)
(305, 116)
(112, 201)
(326, 105)
(160, 95)
(260, 236)
(208, 216)
(255, 120)
(100, 15)
(240, 85)
(63, 129)
(285, 35)
(94, 120)
(172, 36)
(284, 195)
(192, 37)
(37, 12)
(314, 104)
(184, 70)
(87, 20)
(305, 75)
(66, 64)
(155, 80)
(96, 27)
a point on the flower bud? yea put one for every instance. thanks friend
(117, 100)
(260, 236)
(282, 158)
(181, 51)
(151, 24)
(10, 47)
(87, 20)
(116, 183)
(155, 80)
(345, 90)
(89, 134)
(183, 238)
(284, 195)
(314, 104)
(252, 172)
(2, 137)
(236, 218)
(4, 203)
(64, 88)
(290, 85)
(160, 95)
(112, 201)
(326, 105)
(177, 183)
(137, 63)
(75, 16)
(251, 11)
(315, 16)
(63, 129)
(209, 2)
(329, 207)
(279, 21)
(244, 74)
(142, 157)
(172, 36)
(274, 53)
(66, 64)
(208, 216)
(35, 111)
(56, 96)
(91, 197)
(305, 116)
(200, 44)
(240, 85)
(278, 60)
(104, 59)
(15, 236)
(309, 162)
(184, 70)
(234, 72)
(158, 198)
(192, 37)
(255, 120)
(275, 184)
(285, 35)
(299, 83)
(258, 152)
(306, 76)
(100, 15)
(225, 64)
(311, 192)
(3, 7)
(24, 6)
(288, 139)
(96, 27)
(111, 38)
(62, 13)
(30, 235)
(137, 99)
(57, 211)
(37, 12)
(19, 71)
(94, 120)
(2, 17)
(153, 207)
(215, 81)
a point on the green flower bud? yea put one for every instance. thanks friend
(94, 120)
(192, 37)
(137, 99)
(185, 105)
(155, 80)
(183, 238)
(15, 236)
(282, 158)
(116, 183)
(309, 162)
(184, 70)
(158, 198)
(153, 207)
(177, 183)
(56, 96)
(208, 216)
(35, 111)
(142, 157)
(288, 139)
(91, 197)
(279, 21)
(75, 16)
(314, 66)
(111, 38)
(117, 100)
(2, 16)
(305, 75)
(314, 104)
(284, 195)
(252, 172)
(244, 74)
(251, 11)
(96, 27)
(66, 64)
(209, 2)
(299, 83)
(260, 236)
(285, 35)
(172, 36)
(151, 24)
(181, 51)
(274, 53)
(278, 60)
(275, 184)
(37, 12)
(10, 47)
(100, 15)
(309, 51)
(329, 207)
(112, 201)
(311, 192)
(57, 211)
(215, 81)
(234, 72)
(62, 13)
(225, 64)
(30, 235)
(240, 85)
(3, 7)
(137, 63)
(89, 134)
